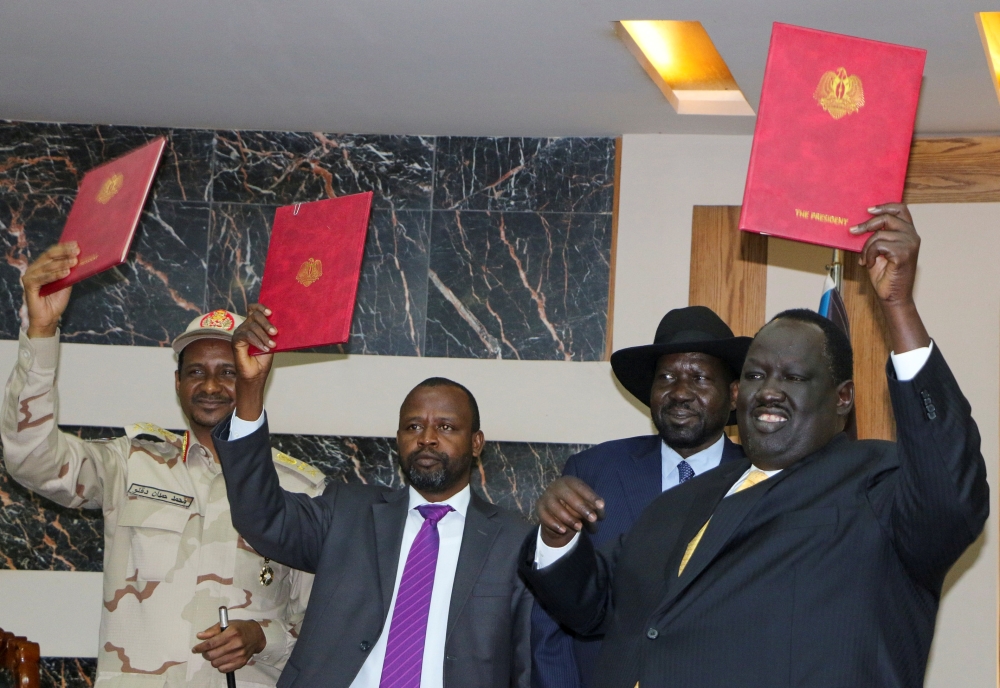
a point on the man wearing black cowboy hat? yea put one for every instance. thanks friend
(687, 377)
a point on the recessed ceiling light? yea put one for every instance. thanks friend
(681, 59)
(989, 32)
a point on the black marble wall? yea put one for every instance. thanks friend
(483, 248)
(67, 672)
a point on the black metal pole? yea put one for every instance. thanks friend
(224, 624)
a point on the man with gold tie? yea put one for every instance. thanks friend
(817, 561)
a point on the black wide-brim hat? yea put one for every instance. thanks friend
(695, 329)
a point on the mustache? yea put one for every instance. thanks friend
(211, 397)
(684, 405)
(770, 407)
(414, 455)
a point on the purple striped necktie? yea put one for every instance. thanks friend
(404, 652)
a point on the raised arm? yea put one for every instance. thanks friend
(939, 499)
(64, 468)
(285, 526)
(890, 255)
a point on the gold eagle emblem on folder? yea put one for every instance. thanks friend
(310, 271)
(840, 94)
(111, 186)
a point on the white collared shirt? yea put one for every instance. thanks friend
(705, 460)
(746, 474)
(450, 531)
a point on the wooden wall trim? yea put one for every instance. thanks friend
(954, 170)
(609, 333)
(728, 272)
(870, 341)
(728, 268)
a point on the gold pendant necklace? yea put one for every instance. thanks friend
(266, 573)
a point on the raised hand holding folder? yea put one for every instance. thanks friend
(106, 212)
(833, 135)
(311, 274)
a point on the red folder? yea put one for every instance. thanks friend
(106, 212)
(311, 275)
(833, 135)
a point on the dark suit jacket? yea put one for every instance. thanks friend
(828, 574)
(627, 474)
(350, 537)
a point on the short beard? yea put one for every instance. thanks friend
(687, 438)
(435, 481)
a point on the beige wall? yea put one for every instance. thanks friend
(527, 401)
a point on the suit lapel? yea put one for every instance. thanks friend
(727, 517)
(481, 529)
(390, 519)
(726, 513)
(703, 506)
(641, 476)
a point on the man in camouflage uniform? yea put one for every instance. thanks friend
(171, 556)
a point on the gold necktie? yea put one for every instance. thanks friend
(755, 476)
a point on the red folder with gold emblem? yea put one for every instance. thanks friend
(106, 212)
(833, 135)
(311, 275)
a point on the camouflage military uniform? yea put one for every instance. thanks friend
(171, 555)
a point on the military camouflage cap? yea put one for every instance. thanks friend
(218, 324)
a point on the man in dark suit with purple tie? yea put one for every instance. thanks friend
(687, 377)
(415, 587)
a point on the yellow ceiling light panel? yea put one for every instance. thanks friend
(681, 59)
(989, 32)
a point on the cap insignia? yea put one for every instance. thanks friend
(219, 320)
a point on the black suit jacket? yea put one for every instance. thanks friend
(828, 574)
(627, 474)
(350, 537)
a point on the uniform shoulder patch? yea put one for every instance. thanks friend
(304, 470)
(148, 431)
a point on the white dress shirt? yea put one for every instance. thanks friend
(705, 460)
(450, 530)
(746, 473)
(906, 365)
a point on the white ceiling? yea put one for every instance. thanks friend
(447, 67)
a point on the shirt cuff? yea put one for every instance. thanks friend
(546, 556)
(277, 642)
(910, 363)
(42, 353)
(239, 428)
